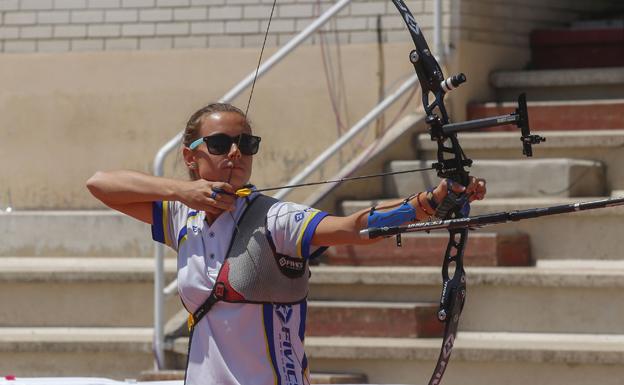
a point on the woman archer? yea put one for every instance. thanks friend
(248, 323)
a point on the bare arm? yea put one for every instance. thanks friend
(334, 230)
(132, 193)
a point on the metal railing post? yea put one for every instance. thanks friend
(159, 305)
(437, 30)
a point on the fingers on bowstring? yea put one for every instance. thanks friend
(217, 201)
(223, 187)
(222, 196)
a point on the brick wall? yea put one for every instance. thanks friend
(88, 25)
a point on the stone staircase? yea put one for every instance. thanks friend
(550, 311)
(77, 316)
(545, 301)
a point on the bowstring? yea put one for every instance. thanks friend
(347, 179)
(266, 34)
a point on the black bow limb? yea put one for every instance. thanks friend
(453, 165)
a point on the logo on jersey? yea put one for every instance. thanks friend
(195, 229)
(284, 312)
(289, 266)
(298, 216)
(288, 357)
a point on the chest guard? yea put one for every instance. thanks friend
(253, 271)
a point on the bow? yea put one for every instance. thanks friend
(451, 165)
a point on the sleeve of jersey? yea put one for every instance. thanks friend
(167, 221)
(292, 227)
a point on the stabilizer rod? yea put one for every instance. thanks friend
(490, 219)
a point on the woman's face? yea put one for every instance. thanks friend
(232, 167)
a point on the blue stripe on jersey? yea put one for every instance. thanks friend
(309, 233)
(158, 232)
(303, 310)
(267, 317)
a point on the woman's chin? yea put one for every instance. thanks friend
(239, 177)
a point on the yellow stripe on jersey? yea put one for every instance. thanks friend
(184, 238)
(303, 229)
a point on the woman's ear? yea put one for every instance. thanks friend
(189, 158)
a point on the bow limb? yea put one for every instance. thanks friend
(432, 82)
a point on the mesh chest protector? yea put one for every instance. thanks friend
(253, 272)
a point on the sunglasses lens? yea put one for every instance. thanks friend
(249, 144)
(218, 144)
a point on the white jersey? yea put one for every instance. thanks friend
(238, 343)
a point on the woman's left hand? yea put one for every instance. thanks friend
(476, 189)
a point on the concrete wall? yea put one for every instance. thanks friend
(64, 116)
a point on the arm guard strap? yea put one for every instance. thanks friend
(404, 213)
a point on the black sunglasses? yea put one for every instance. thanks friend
(220, 144)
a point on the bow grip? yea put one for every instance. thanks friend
(451, 202)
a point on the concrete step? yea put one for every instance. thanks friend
(421, 249)
(592, 234)
(116, 353)
(315, 378)
(335, 317)
(604, 146)
(477, 358)
(52, 291)
(373, 319)
(560, 84)
(102, 233)
(558, 115)
(555, 298)
(560, 176)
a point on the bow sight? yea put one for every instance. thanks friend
(440, 132)
(432, 81)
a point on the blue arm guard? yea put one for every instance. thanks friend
(404, 213)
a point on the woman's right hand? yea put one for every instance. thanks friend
(212, 197)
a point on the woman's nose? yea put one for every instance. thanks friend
(234, 151)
